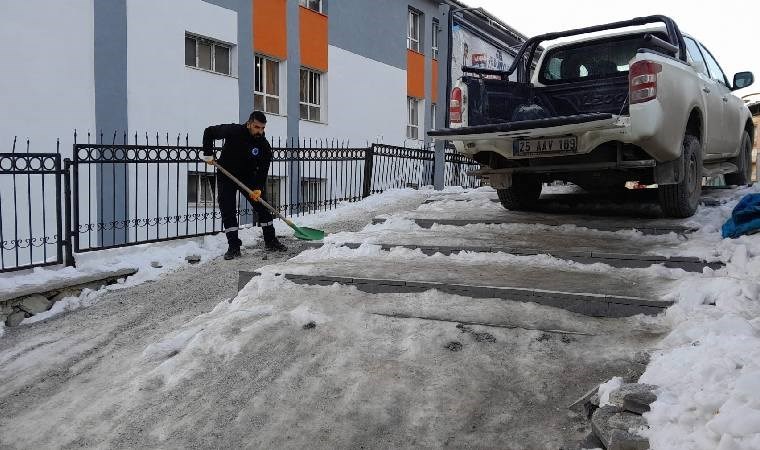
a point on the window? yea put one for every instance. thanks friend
(434, 39)
(311, 95)
(413, 32)
(207, 54)
(272, 192)
(433, 112)
(413, 124)
(201, 188)
(313, 191)
(712, 65)
(696, 55)
(315, 5)
(266, 90)
(590, 60)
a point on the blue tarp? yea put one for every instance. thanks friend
(745, 218)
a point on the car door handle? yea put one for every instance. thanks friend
(706, 90)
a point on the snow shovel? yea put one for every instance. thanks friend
(305, 233)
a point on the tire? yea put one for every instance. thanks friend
(743, 161)
(523, 194)
(681, 199)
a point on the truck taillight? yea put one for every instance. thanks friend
(642, 81)
(455, 106)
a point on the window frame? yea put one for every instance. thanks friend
(313, 87)
(412, 112)
(265, 95)
(410, 39)
(214, 44)
(306, 4)
(699, 55)
(434, 48)
(196, 178)
(709, 56)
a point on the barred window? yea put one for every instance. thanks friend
(201, 188)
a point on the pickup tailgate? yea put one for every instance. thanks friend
(552, 126)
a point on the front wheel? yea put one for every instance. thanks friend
(681, 199)
(523, 194)
(743, 162)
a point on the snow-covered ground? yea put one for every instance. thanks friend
(707, 366)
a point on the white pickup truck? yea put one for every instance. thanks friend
(646, 104)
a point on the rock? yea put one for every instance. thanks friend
(589, 442)
(35, 304)
(14, 319)
(623, 440)
(193, 259)
(585, 404)
(454, 346)
(610, 424)
(310, 325)
(643, 394)
(156, 264)
(638, 402)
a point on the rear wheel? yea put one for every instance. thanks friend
(681, 199)
(523, 194)
(743, 162)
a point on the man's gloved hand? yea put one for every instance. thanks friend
(255, 195)
(208, 158)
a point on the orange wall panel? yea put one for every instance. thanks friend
(434, 85)
(270, 28)
(415, 74)
(313, 39)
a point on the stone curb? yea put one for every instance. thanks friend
(619, 260)
(66, 284)
(589, 304)
(653, 230)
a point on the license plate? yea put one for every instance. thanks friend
(529, 147)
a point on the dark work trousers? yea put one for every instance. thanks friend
(228, 192)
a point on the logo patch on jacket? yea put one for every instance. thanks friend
(255, 151)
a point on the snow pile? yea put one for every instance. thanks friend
(708, 368)
(605, 389)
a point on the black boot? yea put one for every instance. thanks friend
(271, 244)
(233, 245)
(232, 252)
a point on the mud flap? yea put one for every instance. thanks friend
(670, 172)
(500, 180)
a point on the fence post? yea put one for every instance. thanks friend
(68, 254)
(368, 162)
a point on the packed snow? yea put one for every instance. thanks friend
(707, 367)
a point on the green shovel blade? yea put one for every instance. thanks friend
(308, 234)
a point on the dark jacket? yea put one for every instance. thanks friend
(245, 156)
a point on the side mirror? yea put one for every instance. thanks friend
(742, 80)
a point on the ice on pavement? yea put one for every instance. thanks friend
(707, 367)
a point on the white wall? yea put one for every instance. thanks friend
(163, 94)
(48, 85)
(366, 101)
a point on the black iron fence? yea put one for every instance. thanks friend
(30, 210)
(121, 195)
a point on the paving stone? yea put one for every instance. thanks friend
(610, 424)
(35, 304)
